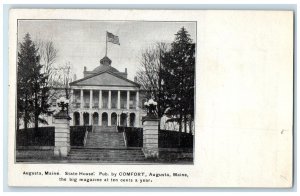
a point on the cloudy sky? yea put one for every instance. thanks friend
(82, 43)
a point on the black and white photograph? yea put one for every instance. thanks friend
(108, 92)
(150, 98)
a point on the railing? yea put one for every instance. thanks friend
(76, 105)
(95, 105)
(86, 105)
(85, 136)
(114, 106)
(93, 128)
(125, 139)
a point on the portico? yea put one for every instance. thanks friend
(105, 97)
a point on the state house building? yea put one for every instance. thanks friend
(105, 97)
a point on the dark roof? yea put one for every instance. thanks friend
(104, 68)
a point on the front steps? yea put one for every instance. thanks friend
(105, 140)
(105, 145)
(106, 155)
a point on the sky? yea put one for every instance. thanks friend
(82, 43)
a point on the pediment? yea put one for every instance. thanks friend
(104, 79)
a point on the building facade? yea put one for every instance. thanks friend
(105, 97)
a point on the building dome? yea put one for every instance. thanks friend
(103, 68)
(105, 61)
(105, 65)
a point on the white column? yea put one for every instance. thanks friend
(72, 118)
(91, 98)
(128, 119)
(100, 119)
(100, 99)
(81, 98)
(119, 100)
(90, 118)
(109, 99)
(137, 119)
(128, 98)
(109, 119)
(81, 118)
(118, 119)
(72, 97)
(137, 100)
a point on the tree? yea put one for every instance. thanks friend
(32, 86)
(48, 56)
(64, 77)
(41, 93)
(177, 75)
(148, 74)
(27, 58)
(59, 76)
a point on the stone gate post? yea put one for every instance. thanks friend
(62, 134)
(150, 137)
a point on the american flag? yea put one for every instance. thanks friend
(112, 38)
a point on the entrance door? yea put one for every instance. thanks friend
(113, 119)
(76, 118)
(95, 119)
(104, 119)
(132, 119)
(86, 118)
(123, 120)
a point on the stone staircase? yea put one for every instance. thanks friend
(106, 155)
(105, 137)
(105, 145)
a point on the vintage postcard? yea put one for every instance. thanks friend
(150, 98)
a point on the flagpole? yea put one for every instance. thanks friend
(106, 45)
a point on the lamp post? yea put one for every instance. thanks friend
(151, 108)
(63, 103)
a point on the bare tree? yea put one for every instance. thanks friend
(59, 76)
(49, 55)
(148, 72)
(63, 77)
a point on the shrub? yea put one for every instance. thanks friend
(77, 134)
(134, 136)
(174, 139)
(44, 136)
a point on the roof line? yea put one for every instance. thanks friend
(101, 72)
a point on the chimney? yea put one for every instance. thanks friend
(84, 71)
(135, 79)
(125, 70)
(74, 77)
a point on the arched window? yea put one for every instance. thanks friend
(104, 119)
(114, 119)
(76, 117)
(132, 119)
(123, 119)
(86, 118)
(95, 118)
